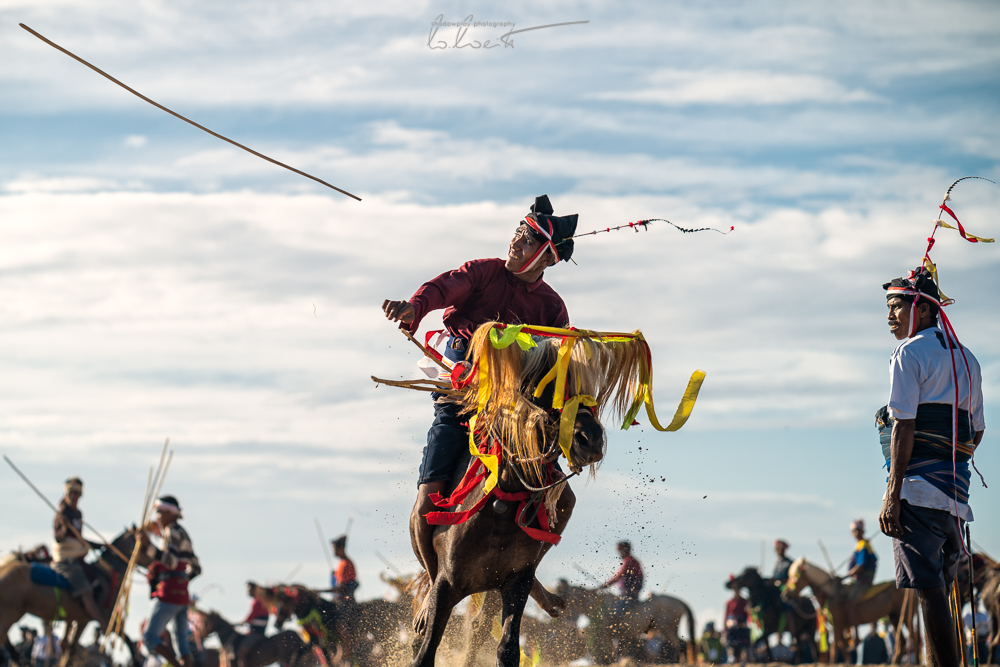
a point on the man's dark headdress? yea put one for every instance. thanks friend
(920, 283)
(555, 233)
(339, 542)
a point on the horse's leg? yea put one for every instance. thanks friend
(551, 604)
(440, 601)
(515, 596)
(482, 623)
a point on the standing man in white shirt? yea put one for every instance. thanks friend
(927, 498)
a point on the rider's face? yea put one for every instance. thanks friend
(522, 248)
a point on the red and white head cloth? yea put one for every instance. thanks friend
(554, 232)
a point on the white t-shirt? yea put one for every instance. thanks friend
(920, 371)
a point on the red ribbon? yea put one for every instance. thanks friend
(476, 473)
(961, 229)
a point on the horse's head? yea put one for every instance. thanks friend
(749, 578)
(795, 584)
(281, 600)
(542, 395)
(803, 574)
(121, 550)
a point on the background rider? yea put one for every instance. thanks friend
(70, 548)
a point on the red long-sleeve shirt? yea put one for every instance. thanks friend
(628, 577)
(483, 290)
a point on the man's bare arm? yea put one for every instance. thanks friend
(900, 450)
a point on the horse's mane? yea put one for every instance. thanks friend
(609, 372)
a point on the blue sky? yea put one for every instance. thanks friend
(158, 282)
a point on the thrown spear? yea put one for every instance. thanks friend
(186, 120)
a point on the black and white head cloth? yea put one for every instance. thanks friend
(553, 232)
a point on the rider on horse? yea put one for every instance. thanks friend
(344, 579)
(628, 577)
(173, 566)
(70, 548)
(256, 620)
(510, 291)
(781, 564)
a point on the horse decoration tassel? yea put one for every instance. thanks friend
(570, 369)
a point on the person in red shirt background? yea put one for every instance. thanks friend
(344, 578)
(256, 620)
(737, 617)
(628, 577)
(510, 291)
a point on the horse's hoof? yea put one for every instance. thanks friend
(554, 605)
(499, 506)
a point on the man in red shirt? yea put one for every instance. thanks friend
(628, 577)
(344, 579)
(482, 290)
(737, 625)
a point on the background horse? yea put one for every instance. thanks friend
(799, 617)
(662, 613)
(492, 550)
(323, 621)
(19, 595)
(887, 600)
(286, 648)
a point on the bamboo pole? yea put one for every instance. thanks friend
(154, 484)
(956, 611)
(415, 386)
(424, 350)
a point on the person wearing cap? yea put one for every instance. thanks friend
(70, 549)
(510, 291)
(344, 578)
(628, 577)
(781, 563)
(172, 567)
(862, 564)
(926, 500)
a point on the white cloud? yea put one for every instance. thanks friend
(672, 87)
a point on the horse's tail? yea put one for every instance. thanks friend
(691, 653)
(419, 588)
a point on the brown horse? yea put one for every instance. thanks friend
(19, 595)
(662, 613)
(799, 615)
(988, 581)
(494, 540)
(831, 592)
(329, 626)
(285, 648)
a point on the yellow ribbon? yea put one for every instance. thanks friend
(967, 234)
(684, 408)
(512, 334)
(568, 421)
(488, 460)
